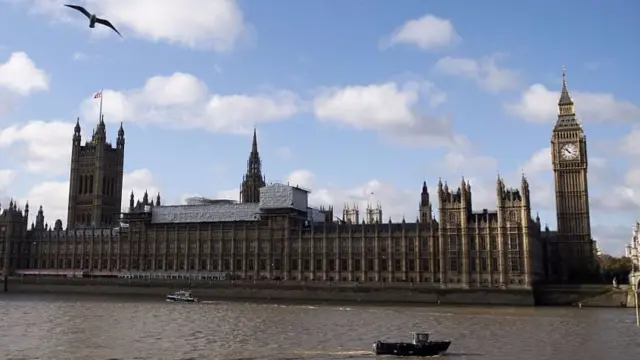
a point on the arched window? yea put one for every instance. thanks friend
(80, 184)
(91, 184)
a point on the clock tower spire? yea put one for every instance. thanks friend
(566, 110)
(569, 158)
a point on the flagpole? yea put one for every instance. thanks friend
(100, 114)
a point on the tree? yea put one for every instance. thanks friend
(615, 267)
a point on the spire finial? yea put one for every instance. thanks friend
(254, 144)
(565, 98)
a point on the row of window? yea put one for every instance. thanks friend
(86, 219)
(86, 185)
(481, 265)
(482, 242)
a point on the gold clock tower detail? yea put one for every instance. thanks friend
(569, 157)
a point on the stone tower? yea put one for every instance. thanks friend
(570, 162)
(253, 180)
(95, 182)
(425, 210)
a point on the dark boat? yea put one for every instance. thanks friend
(421, 346)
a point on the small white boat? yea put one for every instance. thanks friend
(181, 296)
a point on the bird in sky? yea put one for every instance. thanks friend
(93, 19)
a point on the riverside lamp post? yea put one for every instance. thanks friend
(635, 277)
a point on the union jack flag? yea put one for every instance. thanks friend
(97, 95)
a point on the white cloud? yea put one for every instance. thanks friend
(484, 71)
(21, 75)
(539, 162)
(53, 196)
(216, 25)
(390, 108)
(630, 144)
(370, 106)
(303, 178)
(43, 147)
(183, 101)
(622, 189)
(7, 177)
(139, 181)
(427, 33)
(539, 104)
(456, 162)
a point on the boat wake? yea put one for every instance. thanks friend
(341, 354)
(314, 354)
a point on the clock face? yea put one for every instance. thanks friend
(569, 152)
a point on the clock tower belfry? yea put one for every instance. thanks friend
(570, 162)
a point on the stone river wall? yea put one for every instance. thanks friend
(263, 290)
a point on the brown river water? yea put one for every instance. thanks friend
(108, 328)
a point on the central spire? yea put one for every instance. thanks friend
(253, 179)
(254, 165)
(254, 145)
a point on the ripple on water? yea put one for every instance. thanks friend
(87, 329)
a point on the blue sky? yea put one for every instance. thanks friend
(349, 97)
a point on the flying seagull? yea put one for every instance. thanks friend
(93, 19)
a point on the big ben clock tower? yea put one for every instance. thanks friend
(569, 157)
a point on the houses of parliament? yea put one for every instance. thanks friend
(273, 233)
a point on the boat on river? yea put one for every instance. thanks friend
(182, 296)
(421, 346)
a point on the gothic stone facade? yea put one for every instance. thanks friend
(272, 233)
(462, 249)
(95, 182)
(571, 251)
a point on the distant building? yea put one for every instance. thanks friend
(632, 250)
(273, 233)
(598, 251)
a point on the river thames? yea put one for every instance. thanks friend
(101, 328)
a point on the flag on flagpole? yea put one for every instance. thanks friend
(98, 95)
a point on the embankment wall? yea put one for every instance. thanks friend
(568, 295)
(316, 291)
(550, 295)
